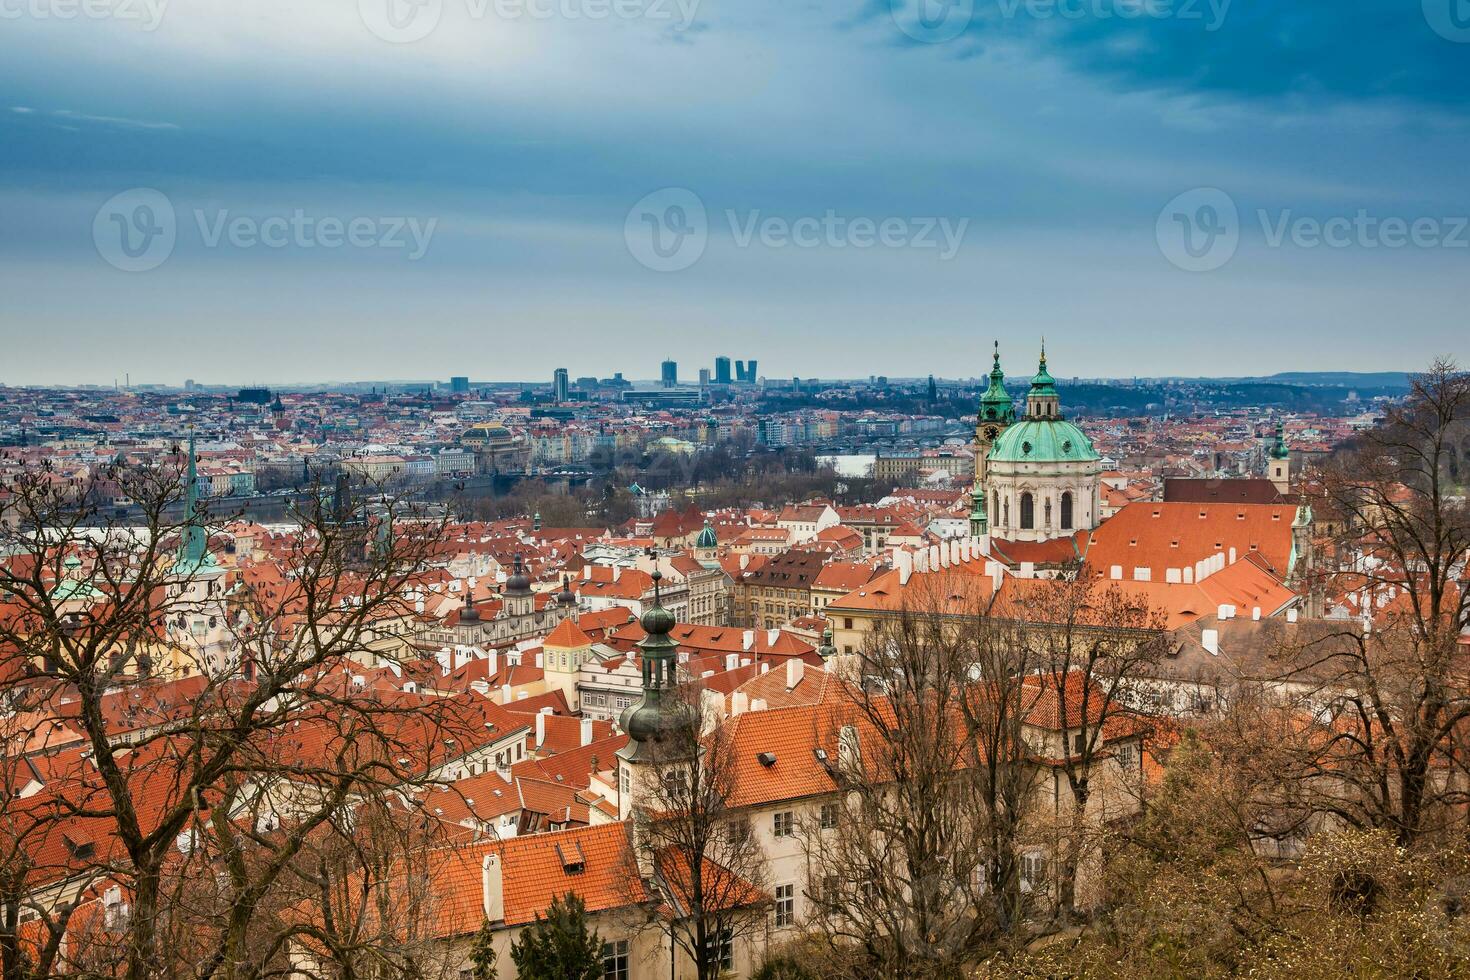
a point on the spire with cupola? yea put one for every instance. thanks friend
(1042, 401)
(657, 722)
(997, 410)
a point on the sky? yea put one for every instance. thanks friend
(289, 191)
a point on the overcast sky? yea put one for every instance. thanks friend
(296, 190)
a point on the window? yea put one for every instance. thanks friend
(1028, 512)
(720, 950)
(785, 905)
(615, 960)
(829, 816)
(783, 824)
(1067, 511)
(1033, 870)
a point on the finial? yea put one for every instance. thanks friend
(1043, 351)
(997, 355)
(658, 577)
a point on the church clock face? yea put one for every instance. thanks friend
(991, 432)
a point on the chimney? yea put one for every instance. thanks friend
(538, 658)
(744, 562)
(732, 661)
(739, 703)
(540, 729)
(759, 704)
(904, 562)
(586, 573)
(617, 572)
(1232, 556)
(1210, 640)
(505, 697)
(491, 888)
(1256, 613)
(748, 640)
(795, 670)
(772, 636)
(586, 731)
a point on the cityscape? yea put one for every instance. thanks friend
(733, 490)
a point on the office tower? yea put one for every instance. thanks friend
(559, 386)
(740, 371)
(704, 377)
(750, 372)
(459, 385)
(670, 374)
(722, 370)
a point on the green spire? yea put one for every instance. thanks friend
(193, 543)
(1279, 449)
(996, 404)
(1043, 379)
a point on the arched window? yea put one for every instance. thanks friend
(1067, 511)
(1028, 512)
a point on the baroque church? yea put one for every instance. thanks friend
(1037, 476)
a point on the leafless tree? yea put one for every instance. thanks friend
(692, 838)
(266, 749)
(1092, 642)
(1394, 681)
(922, 872)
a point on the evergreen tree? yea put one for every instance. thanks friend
(482, 954)
(559, 946)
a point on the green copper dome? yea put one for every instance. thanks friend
(1043, 441)
(1043, 383)
(707, 538)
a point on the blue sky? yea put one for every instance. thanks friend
(1061, 144)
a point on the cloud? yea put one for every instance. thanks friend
(1243, 49)
(118, 121)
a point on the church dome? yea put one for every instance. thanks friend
(1043, 441)
(707, 538)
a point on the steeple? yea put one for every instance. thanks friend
(193, 542)
(658, 713)
(996, 404)
(1042, 401)
(997, 411)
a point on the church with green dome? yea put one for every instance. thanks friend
(1037, 476)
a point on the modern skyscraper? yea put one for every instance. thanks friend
(722, 371)
(559, 385)
(750, 372)
(704, 377)
(670, 374)
(459, 385)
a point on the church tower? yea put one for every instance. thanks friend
(1278, 461)
(657, 725)
(520, 601)
(996, 412)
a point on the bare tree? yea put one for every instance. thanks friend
(1092, 643)
(699, 846)
(221, 782)
(1395, 680)
(922, 872)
